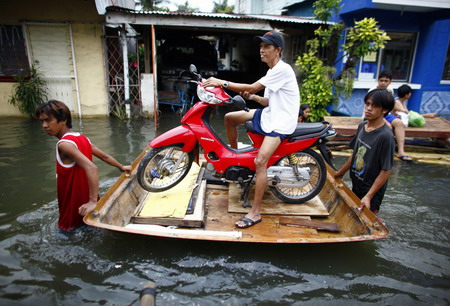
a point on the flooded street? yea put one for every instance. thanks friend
(38, 265)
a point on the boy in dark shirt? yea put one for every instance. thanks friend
(373, 151)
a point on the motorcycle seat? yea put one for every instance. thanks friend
(301, 129)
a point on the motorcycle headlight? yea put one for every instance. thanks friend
(207, 96)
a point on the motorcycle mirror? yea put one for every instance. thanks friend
(193, 70)
(239, 102)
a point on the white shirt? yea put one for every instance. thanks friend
(282, 90)
(389, 89)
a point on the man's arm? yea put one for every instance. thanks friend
(340, 173)
(236, 87)
(398, 107)
(109, 159)
(258, 99)
(379, 182)
(70, 151)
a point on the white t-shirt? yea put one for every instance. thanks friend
(282, 90)
(389, 89)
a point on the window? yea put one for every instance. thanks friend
(446, 72)
(13, 55)
(398, 54)
(397, 57)
(369, 66)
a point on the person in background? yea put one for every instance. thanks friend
(76, 174)
(373, 151)
(277, 119)
(384, 82)
(394, 122)
(404, 93)
(304, 112)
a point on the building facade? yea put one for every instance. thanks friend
(418, 53)
(101, 56)
(64, 40)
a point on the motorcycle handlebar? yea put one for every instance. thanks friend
(239, 102)
(236, 101)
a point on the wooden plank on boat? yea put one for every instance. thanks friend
(171, 203)
(217, 187)
(183, 205)
(269, 230)
(271, 205)
(196, 219)
(319, 225)
(434, 127)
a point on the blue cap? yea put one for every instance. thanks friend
(271, 38)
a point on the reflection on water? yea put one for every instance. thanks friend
(41, 266)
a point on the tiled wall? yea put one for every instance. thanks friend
(435, 102)
(353, 106)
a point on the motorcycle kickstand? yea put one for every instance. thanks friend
(245, 194)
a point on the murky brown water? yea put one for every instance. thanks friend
(40, 266)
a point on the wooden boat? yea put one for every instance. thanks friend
(332, 216)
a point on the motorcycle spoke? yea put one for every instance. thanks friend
(170, 157)
(302, 160)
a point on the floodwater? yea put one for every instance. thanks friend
(39, 266)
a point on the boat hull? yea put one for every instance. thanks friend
(117, 211)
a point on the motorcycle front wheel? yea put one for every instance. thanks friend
(162, 168)
(318, 173)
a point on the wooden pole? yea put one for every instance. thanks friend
(155, 80)
(148, 294)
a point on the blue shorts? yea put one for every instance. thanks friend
(257, 126)
(390, 118)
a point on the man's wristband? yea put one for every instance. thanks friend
(225, 84)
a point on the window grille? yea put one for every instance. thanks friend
(13, 55)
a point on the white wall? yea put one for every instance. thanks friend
(147, 94)
(269, 7)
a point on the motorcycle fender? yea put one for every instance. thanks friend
(180, 135)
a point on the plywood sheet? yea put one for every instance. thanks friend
(274, 206)
(171, 203)
(196, 219)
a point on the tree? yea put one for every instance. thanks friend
(153, 5)
(223, 7)
(321, 85)
(185, 8)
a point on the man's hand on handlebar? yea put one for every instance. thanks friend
(213, 82)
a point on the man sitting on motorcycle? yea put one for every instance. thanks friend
(277, 119)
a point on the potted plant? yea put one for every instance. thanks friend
(29, 91)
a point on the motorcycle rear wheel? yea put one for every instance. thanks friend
(155, 172)
(306, 158)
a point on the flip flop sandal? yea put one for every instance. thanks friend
(404, 158)
(248, 222)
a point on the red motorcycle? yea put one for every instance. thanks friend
(295, 173)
